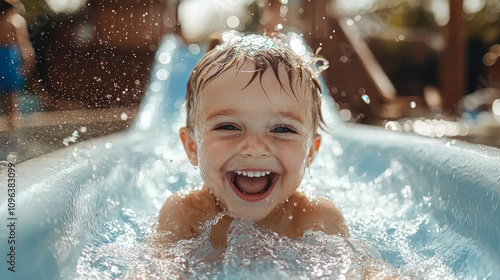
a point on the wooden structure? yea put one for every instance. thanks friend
(355, 78)
(103, 58)
(452, 64)
(355, 73)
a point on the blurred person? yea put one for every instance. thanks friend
(16, 56)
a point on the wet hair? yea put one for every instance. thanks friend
(266, 52)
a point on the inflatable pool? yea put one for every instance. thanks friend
(428, 207)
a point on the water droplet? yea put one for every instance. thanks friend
(123, 116)
(413, 104)
(162, 74)
(174, 179)
(13, 157)
(392, 125)
(366, 98)
(345, 114)
(290, 217)
(72, 138)
(233, 21)
(164, 58)
(194, 48)
(295, 203)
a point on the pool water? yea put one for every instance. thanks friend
(420, 207)
(388, 211)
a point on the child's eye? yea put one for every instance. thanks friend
(283, 129)
(226, 127)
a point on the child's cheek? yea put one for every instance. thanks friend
(211, 152)
(305, 149)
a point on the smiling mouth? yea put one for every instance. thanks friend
(252, 185)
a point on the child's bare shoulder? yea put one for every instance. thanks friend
(320, 214)
(182, 215)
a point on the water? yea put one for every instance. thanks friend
(391, 224)
(422, 208)
(392, 205)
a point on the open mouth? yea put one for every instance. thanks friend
(252, 185)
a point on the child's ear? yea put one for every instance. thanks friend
(189, 145)
(313, 150)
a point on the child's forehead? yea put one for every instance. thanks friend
(261, 99)
(254, 58)
(270, 88)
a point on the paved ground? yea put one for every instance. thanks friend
(43, 132)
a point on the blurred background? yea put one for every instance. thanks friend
(429, 67)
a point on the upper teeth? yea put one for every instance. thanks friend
(252, 173)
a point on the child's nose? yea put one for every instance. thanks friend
(255, 146)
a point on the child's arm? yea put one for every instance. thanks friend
(182, 216)
(176, 217)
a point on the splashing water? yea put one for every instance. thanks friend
(73, 138)
(390, 221)
(366, 98)
(394, 214)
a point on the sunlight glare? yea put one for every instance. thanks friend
(65, 6)
(441, 11)
(351, 7)
(473, 6)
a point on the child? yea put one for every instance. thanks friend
(253, 110)
(16, 56)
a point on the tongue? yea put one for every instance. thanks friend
(251, 185)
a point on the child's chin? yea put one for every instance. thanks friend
(249, 215)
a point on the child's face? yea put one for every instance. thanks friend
(257, 129)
